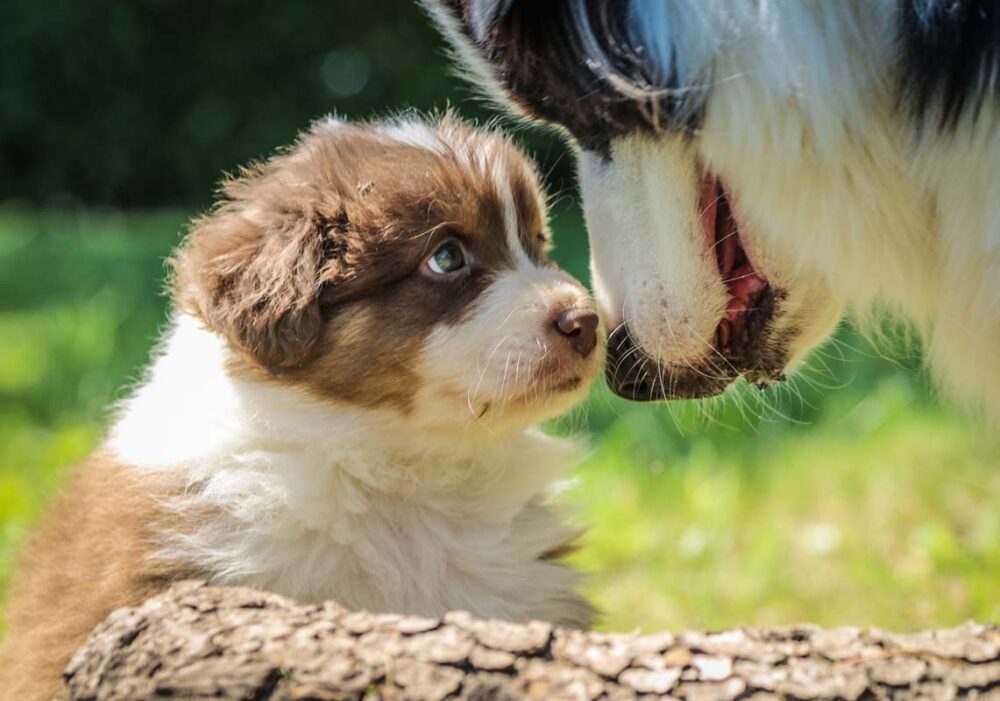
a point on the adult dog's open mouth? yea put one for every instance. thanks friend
(742, 346)
(751, 300)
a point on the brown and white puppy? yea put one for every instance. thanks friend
(366, 328)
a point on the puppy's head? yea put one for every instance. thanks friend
(693, 293)
(397, 266)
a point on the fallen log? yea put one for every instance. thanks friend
(201, 642)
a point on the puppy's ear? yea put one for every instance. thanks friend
(252, 269)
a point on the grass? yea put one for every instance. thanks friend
(889, 515)
(848, 497)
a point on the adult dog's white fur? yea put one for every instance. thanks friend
(844, 197)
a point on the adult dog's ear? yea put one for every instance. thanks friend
(252, 269)
(540, 58)
(476, 17)
(526, 49)
(469, 26)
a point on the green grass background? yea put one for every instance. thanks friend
(847, 496)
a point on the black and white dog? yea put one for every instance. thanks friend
(751, 167)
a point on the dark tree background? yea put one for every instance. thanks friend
(146, 102)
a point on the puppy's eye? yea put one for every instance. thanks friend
(448, 258)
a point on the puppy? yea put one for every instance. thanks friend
(366, 328)
(750, 169)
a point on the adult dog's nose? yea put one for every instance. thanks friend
(579, 327)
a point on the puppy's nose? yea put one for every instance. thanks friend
(579, 327)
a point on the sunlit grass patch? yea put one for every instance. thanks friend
(893, 522)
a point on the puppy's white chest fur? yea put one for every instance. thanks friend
(320, 501)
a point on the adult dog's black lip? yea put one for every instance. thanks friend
(632, 374)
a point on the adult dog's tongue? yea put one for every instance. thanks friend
(741, 280)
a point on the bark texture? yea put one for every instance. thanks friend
(200, 642)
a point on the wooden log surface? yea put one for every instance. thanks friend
(201, 642)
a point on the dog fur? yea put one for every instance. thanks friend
(857, 144)
(327, 416)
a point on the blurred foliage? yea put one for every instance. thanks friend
(845, 496)
(148, 102)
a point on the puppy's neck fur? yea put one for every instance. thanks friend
(317, 500)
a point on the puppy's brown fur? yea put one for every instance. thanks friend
(91, 555)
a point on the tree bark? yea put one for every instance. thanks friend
(200, 642)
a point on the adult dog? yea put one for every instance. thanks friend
(750, 168)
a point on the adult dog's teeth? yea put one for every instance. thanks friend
(722, 334)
